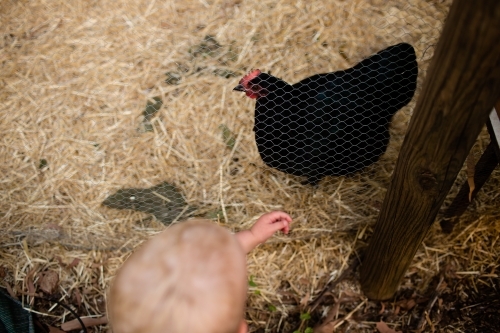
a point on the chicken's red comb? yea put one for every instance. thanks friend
(250, 76)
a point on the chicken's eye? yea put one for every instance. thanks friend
(253, 86)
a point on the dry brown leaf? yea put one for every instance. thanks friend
(328, 327)
(75, 324)
(78, 297)
(383, 328)
(48, 281)
(74, 263)
(305, 299)
(471, 169)
(442, 287)
(304, 281)
(407, 304)
(54, 227)
(333, 312)
(382, 309)
(29, 281)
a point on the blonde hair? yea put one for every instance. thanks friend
(189, 278)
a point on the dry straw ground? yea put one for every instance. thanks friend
(75, 77)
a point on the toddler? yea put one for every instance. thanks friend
(190, 278)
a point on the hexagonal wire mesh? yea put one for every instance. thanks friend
(130, 104)
(332, 124)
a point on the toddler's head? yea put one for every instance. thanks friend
(189, 278)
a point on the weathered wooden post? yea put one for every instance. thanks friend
(462, 84)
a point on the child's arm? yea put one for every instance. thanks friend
(264, 228)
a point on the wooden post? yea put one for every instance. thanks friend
(461, 87)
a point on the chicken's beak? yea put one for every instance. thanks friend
(239, 87)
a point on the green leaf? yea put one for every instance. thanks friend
(231, 54)
(271, 308)
(43, 163)
(309, 330)
(255, 38)
(343, 52)
(147, 127)
(173, 78)
(208, 47)
(214, 214)
(257, 292)
(152, 107)
(225, 73)
(251, 283)
(305, 316)
(164, 201)
(149, 112)
(227, 136)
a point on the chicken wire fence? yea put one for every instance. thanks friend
(335, 123)
(144, 107)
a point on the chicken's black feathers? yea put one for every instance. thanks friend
(335, 123)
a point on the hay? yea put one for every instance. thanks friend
(75, 77)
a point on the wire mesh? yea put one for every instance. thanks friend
(119, 118)
(334, 123)
(197, 136)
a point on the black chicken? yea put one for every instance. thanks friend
(335, 123)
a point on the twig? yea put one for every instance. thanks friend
(349, 315)
(67, 307)
(427, 311)
(332, 284)
(87, 321)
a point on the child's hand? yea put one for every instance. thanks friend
(269, 223)
(264, 228)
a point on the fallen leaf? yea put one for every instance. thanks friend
(349, 315)
(29, 281)
(10, 291)
(305, 299)
(406, 304)
(328, 327)
(48, 281)
(74, 263)
(383, 328)
(78, 297)
(334, 312)
(442, 287)
(165, 25)
(382, 309)
(164, 201)
(227, 136)
(151, 109)
(54, 226)
(88, 322)
(471, 168)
